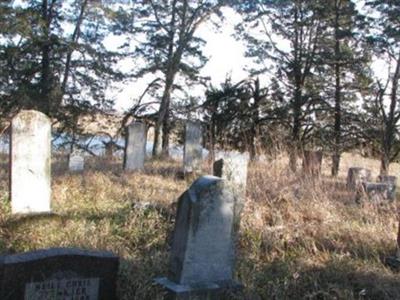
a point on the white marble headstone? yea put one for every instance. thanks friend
(30, 162)
(135, 147)
(76, 162)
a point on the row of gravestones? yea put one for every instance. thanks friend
(30, 158)
(358, 179)
(203, 249)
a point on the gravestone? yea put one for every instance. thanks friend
(312, 162)
(135, 146)
(232, 166)
(193, 150)
(30, 162)
(76, 162)
(202, 255)
(355, 176)
(392, 181)
(59, 273)
(375, 191)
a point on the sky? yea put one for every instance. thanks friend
(225, 54)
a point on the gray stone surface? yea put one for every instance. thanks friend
(59, 273)
(193, 150)
(76, 162)
(232, 166)
(135, 146)
(312, 162)
(203, 249)
(392, 181)
(355, 176)
(375, 191)
(30, 162)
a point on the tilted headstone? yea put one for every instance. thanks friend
(30, 162)
(312, 162)
(355, 176)
(232, 166)
(374, 191)
(76, 162)
(202, 256)
(193, 150)
(135, 146)
(59, 273)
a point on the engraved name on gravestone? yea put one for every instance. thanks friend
(30, 162)
(76, 162)
(202, 256)
(193, 150)
(59, 274)
(135, 146)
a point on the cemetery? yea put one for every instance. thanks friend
(105, 231)
(199, 150)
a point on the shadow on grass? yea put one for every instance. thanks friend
(337, 279)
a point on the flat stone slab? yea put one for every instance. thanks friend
(59, 273)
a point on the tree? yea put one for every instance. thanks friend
(53, 58)
(384, 108)
(170, 48)
(342, 62)
(289, 34)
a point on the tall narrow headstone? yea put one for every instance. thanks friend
(232, 166)
(135, 146)
(203, 249)
(193, 150)
(356, 176)
(312, 162)
(30, 162)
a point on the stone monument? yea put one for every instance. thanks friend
(202, 256)
(30, 162)
(312, 162)
(76, 162)
(59, 273)
(193, 150)
(135, 146)
(355, 176)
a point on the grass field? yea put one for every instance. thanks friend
(299, 239)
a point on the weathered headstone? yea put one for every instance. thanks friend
(356, 176)
(232, 166)
(312, 162)
(30, 162)
(392, 182)
(76, 162)
(193, 150)
(59, 273)
(375, 191)
(135, 146)
(203, 249)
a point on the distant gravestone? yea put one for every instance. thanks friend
(135, 146)
(232, 166)
(30, 162)
(392, 182)
(312, 162)
(203, 248)
(193, 150)
(59, 273)
(376, 192)
(76, 162)
(356, 176)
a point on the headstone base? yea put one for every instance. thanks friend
(206, 291)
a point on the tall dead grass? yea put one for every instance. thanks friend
(299, 238)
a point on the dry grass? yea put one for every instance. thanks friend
(299, 239)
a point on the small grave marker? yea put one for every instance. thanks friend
(193, 150)
(135, 146)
